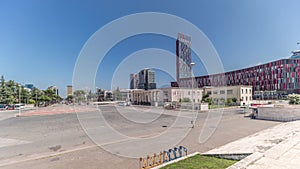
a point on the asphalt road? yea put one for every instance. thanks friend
(112, 137)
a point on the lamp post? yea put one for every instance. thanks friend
(36, 103)
(19, 100)
(193, 104)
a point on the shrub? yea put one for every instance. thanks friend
(31, 101)
(294, 98)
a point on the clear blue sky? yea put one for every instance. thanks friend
(41, 39)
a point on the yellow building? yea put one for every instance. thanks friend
(69, 90)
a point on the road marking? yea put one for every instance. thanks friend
(5, 142)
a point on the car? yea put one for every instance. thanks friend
(2, 106)
(10, 107)
(19, 106)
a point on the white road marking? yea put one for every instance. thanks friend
(5, 142)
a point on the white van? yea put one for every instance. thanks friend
(19, 106)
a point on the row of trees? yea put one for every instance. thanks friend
(228, 101)
(81, 96)
(12, 92)
(100, 95)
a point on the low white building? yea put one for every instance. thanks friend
(242, 94)
(156, 97)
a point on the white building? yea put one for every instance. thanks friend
(156, 97)
(242, 94)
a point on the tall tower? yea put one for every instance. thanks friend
(69, 90)
(134, 80)
(183, 57)
(146, 79)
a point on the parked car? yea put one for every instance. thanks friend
(19, 106)
(10, 107)
(2, 106)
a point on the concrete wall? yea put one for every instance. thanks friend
(286, 113)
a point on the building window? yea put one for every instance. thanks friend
(246, 98)
(242, 99)
(229, 91)
(189, 92)
(215, 92)
(242, 91)
(246, 91)
(222, 91)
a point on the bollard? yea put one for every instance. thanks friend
(180, 151)
(166, 157)
(141, 163)
(153, 161)
(175, 152)
(148, 158)
(160, 157)
(184, 149)
(170, 158)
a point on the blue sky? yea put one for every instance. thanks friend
(40, 40)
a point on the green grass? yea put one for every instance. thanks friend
(215, 106)
(201, 162)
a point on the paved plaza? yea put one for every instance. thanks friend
(54, 137)
(276, 147)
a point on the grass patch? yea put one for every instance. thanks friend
(215, 106)
(201, 162)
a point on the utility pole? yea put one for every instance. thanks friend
(193, 104)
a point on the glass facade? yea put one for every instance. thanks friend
(281, 75)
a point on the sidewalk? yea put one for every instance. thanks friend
(277, 147)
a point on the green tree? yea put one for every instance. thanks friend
(185, 100)
(31, 101)
(79, 95)
(117, 94)
(229, 100)
(70, 98)
(204, 97)
(234, 100)
(294, 98)
(3, 91)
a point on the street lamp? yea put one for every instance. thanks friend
(19, 100)
(36, 103)
(193, 104)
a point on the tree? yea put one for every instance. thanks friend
(70, 98)
(117, 94)
(207, 99)
(185, 100)
(79, 95)
(35, 95)
(204, 97)
(3, 90)
(229, 100)
(31, 101)
(234, 100)
(294, 98)
(91, 96)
